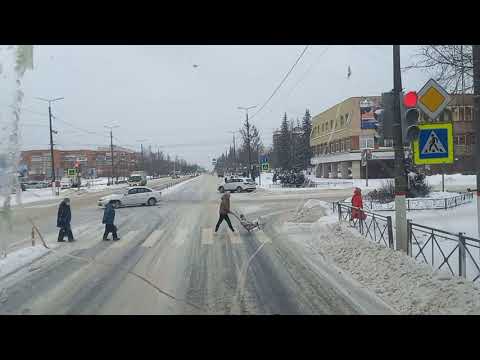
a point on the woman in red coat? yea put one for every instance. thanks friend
(357, 202)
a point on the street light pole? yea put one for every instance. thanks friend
(111, 148)
(51, 139)
(248, 138)
(234, 151)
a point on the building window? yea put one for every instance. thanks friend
(468, 113)
(366, 142)
(459, 140)
(347, 119)
(472, 138)
(323, 128)
(342, 146)
(341, 121)
(347, 144)
(388, 142)
(331, 124)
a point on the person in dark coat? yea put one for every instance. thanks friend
(108, 220)
(64, 217)
(224, 211)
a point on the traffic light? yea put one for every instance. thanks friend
(410, 117)
(384, 117)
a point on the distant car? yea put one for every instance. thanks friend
(36, 184)
(138, 195)
(65, 183)
(238, 185)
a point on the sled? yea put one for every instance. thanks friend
(249, 225)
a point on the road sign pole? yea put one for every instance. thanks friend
(400, 178)
(366, 170)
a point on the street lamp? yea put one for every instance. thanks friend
(111, 147)
(248, 137)
(51, 137)
(141, 149)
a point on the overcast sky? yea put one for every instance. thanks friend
(154, 94)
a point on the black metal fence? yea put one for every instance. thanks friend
(457, 253)
(445, 250)
(423, 204)
(375, 227)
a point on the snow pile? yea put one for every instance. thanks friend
(310, 212)
(408, 286)
(20, 258)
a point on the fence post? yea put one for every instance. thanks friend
(409, 237)
(339, 212)
(33, 236)
(462, 256)
(445, 203)
(455, 201)
(390, 232)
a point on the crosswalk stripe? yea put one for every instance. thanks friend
(124, 239)
(153, 238)
(207, 236)
(235, 237)
(262, 237)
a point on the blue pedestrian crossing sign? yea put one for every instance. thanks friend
(434, 144)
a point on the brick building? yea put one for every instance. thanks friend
(92, 163)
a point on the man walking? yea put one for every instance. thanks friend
(64, 217)
(108, 220)
(224, 211)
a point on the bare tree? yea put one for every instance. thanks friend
(447, 64)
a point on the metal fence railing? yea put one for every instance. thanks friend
(423, 203)
(445, 250)
(375, 227)
(457, 253)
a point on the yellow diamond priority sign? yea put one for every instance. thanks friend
(433, 99)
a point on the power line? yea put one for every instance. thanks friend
(281, 83)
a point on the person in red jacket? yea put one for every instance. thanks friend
(357, 202)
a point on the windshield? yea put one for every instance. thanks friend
(313, 160)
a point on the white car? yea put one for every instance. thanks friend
(138, 195)
(237, 184)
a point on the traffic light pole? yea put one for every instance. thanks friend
(400, 180)
(476, 122)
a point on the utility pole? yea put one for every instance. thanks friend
(476, 121)
(248, 139)
(111, 148)
(51, 140)
(234, 152)
(400, 180)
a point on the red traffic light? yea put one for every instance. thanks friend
(410, 99)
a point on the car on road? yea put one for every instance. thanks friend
(138, 195)
(237, 185)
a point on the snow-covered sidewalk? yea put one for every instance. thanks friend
(408, 286)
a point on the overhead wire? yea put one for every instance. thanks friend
(281, 82)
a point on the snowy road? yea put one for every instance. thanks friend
(168, 261)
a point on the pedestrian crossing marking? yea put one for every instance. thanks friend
(124, 239)
(262, 237)
(207, 236)
(433, 145)
(153, 238)
(235, 237)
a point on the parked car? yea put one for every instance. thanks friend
(36, 184)
(66, 183)
(138, 195)
(237, 184)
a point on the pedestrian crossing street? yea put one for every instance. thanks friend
(209, 237)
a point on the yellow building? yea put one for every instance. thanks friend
(342, 132)
(339, 135)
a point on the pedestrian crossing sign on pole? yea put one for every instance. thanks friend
(265, 167)
(434, 144)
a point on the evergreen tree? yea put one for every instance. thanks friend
(284, 153)
(307, 129)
